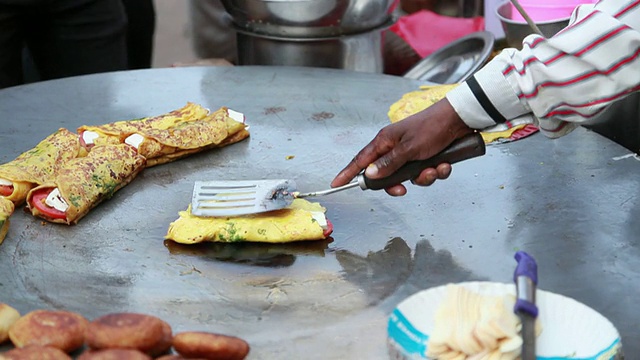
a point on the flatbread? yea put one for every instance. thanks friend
(39, 165)
(6, 209)
(85, 182)
(174, 135)
(295, 223)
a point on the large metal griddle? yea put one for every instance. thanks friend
(567, 202)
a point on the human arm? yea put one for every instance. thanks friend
(559, 82)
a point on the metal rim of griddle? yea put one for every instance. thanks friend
(478, 46)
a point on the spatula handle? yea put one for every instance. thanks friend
(468, 147)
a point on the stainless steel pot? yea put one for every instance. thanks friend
(309, 18)
(361, 52)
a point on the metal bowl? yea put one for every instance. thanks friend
(515, 31)
(309, 18)
(359, 52)
(455, 62)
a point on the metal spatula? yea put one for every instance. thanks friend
(231, 198)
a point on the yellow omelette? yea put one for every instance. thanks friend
(295, 223)
(39, 164)
(168, 137)
(6, 209)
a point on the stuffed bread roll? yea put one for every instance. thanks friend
(168, 137)
(38, 165)
(83, 183)
(301, 221)
(6, 209)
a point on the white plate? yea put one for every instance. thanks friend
(570, 329)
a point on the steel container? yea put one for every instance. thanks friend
(516, 31)
(309, 18)
(360, 52)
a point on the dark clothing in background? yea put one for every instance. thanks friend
(63, 37)
(141, 17)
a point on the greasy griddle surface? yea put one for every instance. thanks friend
(292, 300)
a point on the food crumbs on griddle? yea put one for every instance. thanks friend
(43, 223)
(289, 157)
(190, 271)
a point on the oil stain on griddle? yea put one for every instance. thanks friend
(321, 116)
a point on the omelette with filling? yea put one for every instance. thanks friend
(38, 165)
(83, 183)
(6, 209)
(301, 221)
(173, 135)
(416, 101)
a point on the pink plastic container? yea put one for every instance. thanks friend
(547, 10)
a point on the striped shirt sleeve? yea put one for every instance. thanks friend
(560, 81)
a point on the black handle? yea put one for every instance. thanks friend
(468, 147)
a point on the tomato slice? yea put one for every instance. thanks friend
(6, 190)
(37, 201)
(329, 229)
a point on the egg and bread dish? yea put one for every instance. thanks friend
(82, 183)
(301, 221)
(6, 209)
(171, 136)
(38, 165)
(416, 101)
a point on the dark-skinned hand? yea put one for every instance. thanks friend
(418, 137)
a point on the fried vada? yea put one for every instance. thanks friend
(60, 329)
(198, 344)
(145, 333)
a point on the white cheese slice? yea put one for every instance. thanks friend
(55, 200)
(320, 218)
(5, 182)
(237, 116)
(89, 136)
(134, 140)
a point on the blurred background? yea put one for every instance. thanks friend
(172, 41)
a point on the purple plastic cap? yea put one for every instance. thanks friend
(526, 267)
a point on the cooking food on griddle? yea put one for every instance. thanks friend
(173, 135)
(416, 101)
(470, 326)
(63, 330)
(145, 333)
(206, 345)
(8, 317)
(38, 165)
(6, 209)
(301, 221)
(82, 183)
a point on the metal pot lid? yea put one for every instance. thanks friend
(455, 62)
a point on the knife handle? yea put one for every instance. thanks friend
(526, 267)
(526, 279)
(467, 147)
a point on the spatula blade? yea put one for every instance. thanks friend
(241, 197)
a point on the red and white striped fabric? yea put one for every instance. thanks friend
(560, 81)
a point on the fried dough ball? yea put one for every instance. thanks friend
(177, 357)
(197, 344)
(35, 352)
(114, 354)
(60, 329)
(8, 316)
(145, 333)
